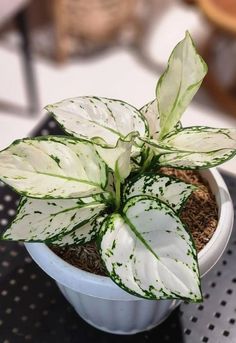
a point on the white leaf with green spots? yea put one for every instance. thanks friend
(148, 252)
(168, 189)
(195, 147)
(179, 83)
(150, 112)
(82, 235)
(40, 220)
(53, 167)
(98, 119)
(118, 158)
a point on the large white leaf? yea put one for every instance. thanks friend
(201, 139)
(82, 235)
(196, 147)
(168, 189)
(148, 252)
(53, 167)
(92, 117)
(179, 83)
(46, 220)
(118, 158)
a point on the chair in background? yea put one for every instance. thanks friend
(96, 22)
(17, 10)
(220, 52)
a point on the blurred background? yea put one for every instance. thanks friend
(51, 50)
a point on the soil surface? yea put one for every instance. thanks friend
(200, 214)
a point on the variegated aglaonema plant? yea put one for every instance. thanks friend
(101, 181)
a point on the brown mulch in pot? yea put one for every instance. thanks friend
(200, 214)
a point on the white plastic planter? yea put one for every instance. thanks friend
(103, 304)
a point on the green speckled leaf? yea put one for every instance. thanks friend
(150, 112)
(179, 83)
(148, 252)
(82, 235)
(98, 119)
(168, 189)
(53, 167)
(195, 147)
(45, 220)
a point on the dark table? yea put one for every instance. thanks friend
(32, 308)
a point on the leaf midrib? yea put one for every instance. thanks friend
(171, 149)
(68, 178)
(115, 130)
(78, 207)
(139, 236)
(60, 176)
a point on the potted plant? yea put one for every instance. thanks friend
(102, 182)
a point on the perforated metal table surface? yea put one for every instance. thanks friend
(33, 310)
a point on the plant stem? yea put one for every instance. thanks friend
(117, 185)
(147, 162)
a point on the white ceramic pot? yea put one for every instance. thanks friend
(103, 304)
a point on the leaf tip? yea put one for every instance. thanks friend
(48, 108)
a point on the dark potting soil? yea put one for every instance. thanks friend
(200, 214)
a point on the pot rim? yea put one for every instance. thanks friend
(103, 287)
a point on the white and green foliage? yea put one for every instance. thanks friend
(53, 167)
(40, 220)
(84, 233)
(169, 190)
(148, 252)
(118, 158)
(151, 114)
(98, 119)
(179, 83)
(101, 182)
(195, 147)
